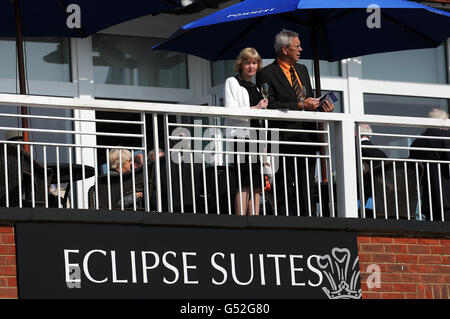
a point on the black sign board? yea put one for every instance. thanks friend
(68, 260)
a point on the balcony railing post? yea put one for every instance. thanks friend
(168, 167)
(157, 166)
(330, 178)
(360, 173)
(145, 164)
(84, 155)
(345, 169)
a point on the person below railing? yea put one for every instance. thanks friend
(438, 177)
(369, 168)
(124, 156)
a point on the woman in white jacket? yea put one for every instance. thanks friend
(241, 92)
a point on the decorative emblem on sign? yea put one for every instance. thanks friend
(342, 280)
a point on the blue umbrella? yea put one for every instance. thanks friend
(67, 18)
(329, 30)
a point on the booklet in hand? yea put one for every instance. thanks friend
(330, 96)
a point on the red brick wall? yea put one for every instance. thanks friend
(8, 278)
(410, 267)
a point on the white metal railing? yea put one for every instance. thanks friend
(195, 172)
(414, 185)
(62, 175)
(264, 159)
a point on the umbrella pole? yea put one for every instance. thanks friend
(314, 38)
(21, 67)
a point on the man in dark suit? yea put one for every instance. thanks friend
(286, 78)
(365, 131)
(439, 143)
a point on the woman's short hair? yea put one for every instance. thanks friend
(438, 114)
(283, 38)
(247, 54)
(114, 159)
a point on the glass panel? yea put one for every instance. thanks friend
(47, 59)
(128, 60)
(8, 60)
(424, 66)
(326, 68)
(221, 70)
(399, 106)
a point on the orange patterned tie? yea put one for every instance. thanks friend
(295, 85)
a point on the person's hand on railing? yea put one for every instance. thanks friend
(262, 104)
(311, 104)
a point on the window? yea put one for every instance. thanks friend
(221, 70)
(326, 68)
(423, 65)
(127, 60)
(47, 59)
(399, 106)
